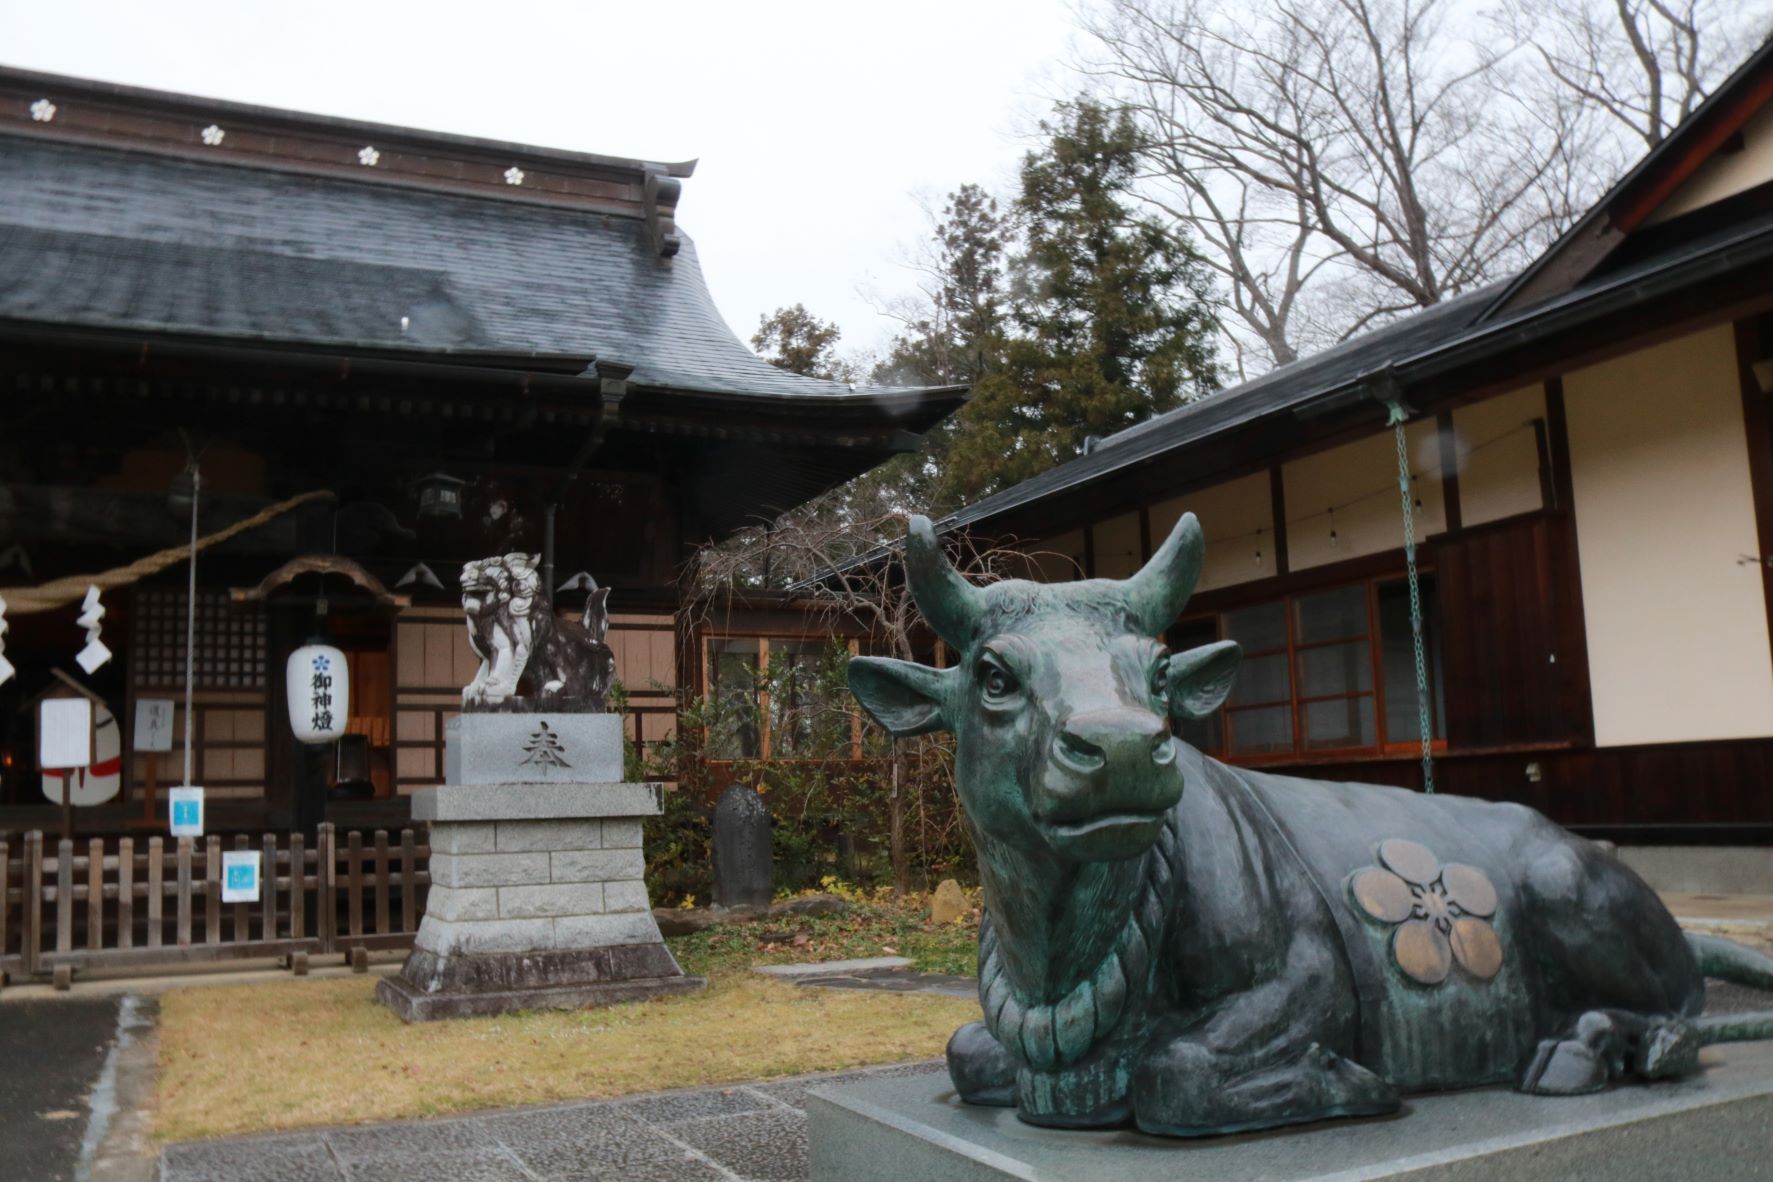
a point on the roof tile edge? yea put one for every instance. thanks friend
(216, 130)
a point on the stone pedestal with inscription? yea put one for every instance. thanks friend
(538, 899)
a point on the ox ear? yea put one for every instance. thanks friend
(906, 698)
(1201, 678)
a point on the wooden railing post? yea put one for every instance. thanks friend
(64, 910)
(409, 882)
(268, 889)
(126, 893)
(212, 890)
(31, 922)
(95, 894)
(64, 895)
(298, 887)
(156, 891)
(183, 887)
(382, 867)
(354, 854)
(242, 929)
(329, 903)
(5, 902)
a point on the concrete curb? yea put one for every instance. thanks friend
(122, 1103)
(829, 968)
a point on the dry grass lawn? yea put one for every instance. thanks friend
(253, 1058)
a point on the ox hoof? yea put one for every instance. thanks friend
(1185, 1091)
(1564, 1067)
(981, 1069)
(1670, 1050)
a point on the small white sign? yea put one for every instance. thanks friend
(185, 807)
(240, 876)
(64, 733)
(153, 724)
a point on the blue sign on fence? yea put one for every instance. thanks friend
(186, 806)
(240, 876)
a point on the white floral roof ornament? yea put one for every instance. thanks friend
(213, 135)
(43, 110)
(368, 156)
(514, 175)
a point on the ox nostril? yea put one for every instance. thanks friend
(1075, 751)
(1163, 750)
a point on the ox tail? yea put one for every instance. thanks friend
(1740, 966)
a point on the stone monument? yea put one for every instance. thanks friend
(538, 898)
(1193, 948)
(744, 857)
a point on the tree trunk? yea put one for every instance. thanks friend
(896, 823)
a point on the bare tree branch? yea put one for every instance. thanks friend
(1346, 160)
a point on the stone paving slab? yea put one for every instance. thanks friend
(896, 981)
(740, 1133)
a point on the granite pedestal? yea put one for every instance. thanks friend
(1717, 1125)
(538, 898)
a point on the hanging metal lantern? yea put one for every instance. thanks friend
(318, 686)
(440, 495)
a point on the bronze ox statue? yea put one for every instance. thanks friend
(1196, 948)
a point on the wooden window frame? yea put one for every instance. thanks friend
(1300, 752)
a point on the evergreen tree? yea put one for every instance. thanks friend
(1113, 313)
(956, 331)
(794, 339)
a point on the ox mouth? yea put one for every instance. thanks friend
(1105, 823)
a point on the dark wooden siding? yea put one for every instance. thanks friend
(1515, 654)
(1688, 792)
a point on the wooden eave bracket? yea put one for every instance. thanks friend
(659, 195)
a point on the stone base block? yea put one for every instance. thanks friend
(516, 802)
(412, 1005)
(1716, 1125)
(540, 748)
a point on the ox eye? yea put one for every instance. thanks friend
(998, 682)
(1160, 679)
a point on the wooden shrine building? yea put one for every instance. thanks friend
(445, 345)
(1590, 460)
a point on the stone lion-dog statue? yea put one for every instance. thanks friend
(563, 664)
(1194, 948)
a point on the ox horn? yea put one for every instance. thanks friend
(1157, 594)
(947, 600)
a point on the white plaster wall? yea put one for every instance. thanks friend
(1498, 456)
(1677, 629)
(1229, 515)
(1117, 548)
(1057, 559)
(1360, 480)
(1728, 173)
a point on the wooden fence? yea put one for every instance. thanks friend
(67, 906)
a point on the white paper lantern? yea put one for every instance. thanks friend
(319, 691)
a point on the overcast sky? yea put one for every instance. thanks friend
(819, 125)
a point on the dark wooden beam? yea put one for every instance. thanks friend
(1277, 499)
(1571, 622)
(1449, 446)
(1758, 428)
(1563, 483)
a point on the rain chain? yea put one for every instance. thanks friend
(1396, 421)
